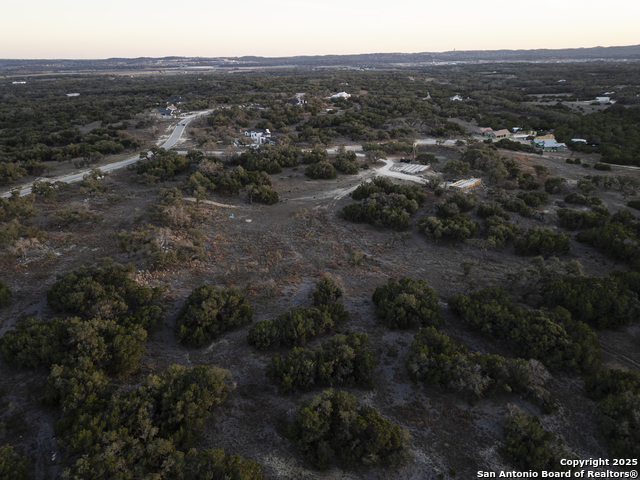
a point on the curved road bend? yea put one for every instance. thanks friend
(76, 177)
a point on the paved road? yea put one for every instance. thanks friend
(76, 177)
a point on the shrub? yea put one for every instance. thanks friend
(326, 292)
(329, 426)
(617, 240)
(264, 194)
(543, 241)
(602, 166)
(163, 165)
(532, 447)
(293, 328)
(456, 228)
(103, 344)
(618, 396)
(465, 203)
(517, 205)
(382, 210)
(385, 185)
(105, 290)
(434, 358)
(573, 219)
(601, 302)
(321, 170)
(13, 466)
(343, 360)
(577, 199)
(5, 294)
(407, 303)
(552, 337)
(346, 166)
(552, 183)
(634, 204)
(534, 198)
(493, 210)
(210, 311)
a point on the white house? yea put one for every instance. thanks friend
(344, 95)
(456, 98)
(603, 99)
(260, 136)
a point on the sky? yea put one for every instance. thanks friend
(205, 28)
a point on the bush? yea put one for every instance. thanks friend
(618, 396)
(617, 240)
(163, 165)
(407, 303)
(601, 302)
(434, 358)
(105, 290)
(102, 344)
(326, 292)
(552, 183)
(499, 231)
(383, 210)
(493, 210)
(210, 311)
(456, 228)
(346, 166)
(12, 466)
(295, 327)
(634, 204)
(577, 199)
(517, 205)
(145, 427)
(530, 446)
(264, 194)
(550, 336)
(5, 294)
(534, 198)
(573, 219)
(385, 185)
(329, 426)
(543, 241)
(343, 360)
(321, 170)
(602, 166)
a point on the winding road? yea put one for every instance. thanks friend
(76, 177)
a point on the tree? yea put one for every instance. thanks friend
(541, 170)
(330, 426)
(13, 466)
(456, 168)
(210, 311)
(374, 156)
(407, 303)
(5, 294)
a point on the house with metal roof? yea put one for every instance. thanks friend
(504, 133)
(549, 145)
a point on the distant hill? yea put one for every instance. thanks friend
(630, 53)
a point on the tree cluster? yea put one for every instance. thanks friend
(543, 241)
(618, 395)
(163, 165)
(342, 360)
(407, 303)
(530, 446)
(435, 358)
(550, 336)
(299, 325)
(330, 427)
(105, 290)
(210, 311)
